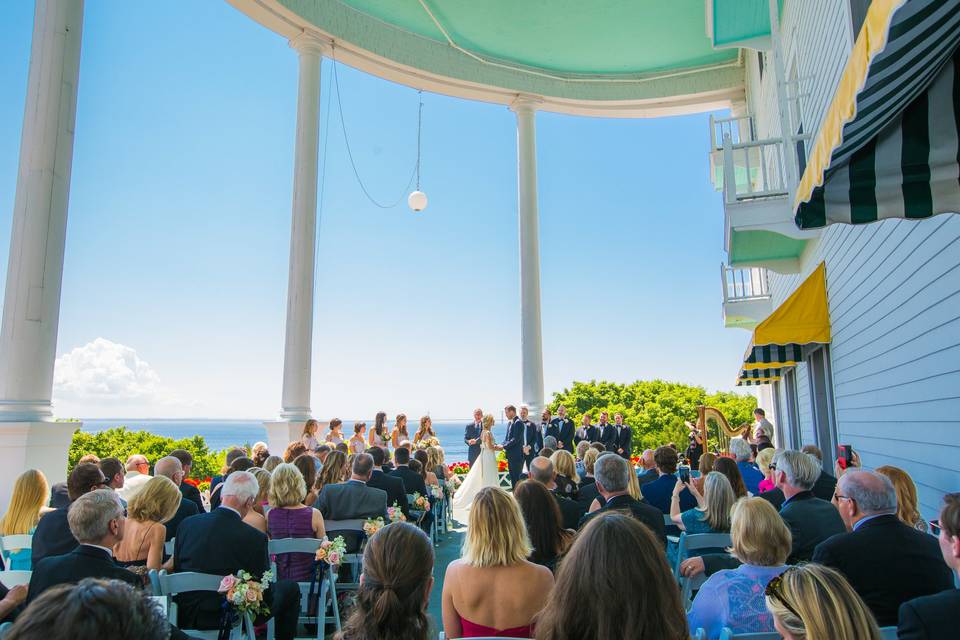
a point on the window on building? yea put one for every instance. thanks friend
(761, 57)
(791, 416)
(858, 13)
(821, 400)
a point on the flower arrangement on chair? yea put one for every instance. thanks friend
(421, 503)
(395, 514)
(332, 551)
(372, 525)
(244, 594)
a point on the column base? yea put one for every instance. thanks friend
(280, 433)
(34, 445)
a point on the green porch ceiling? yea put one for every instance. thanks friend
(747, 247)
(741, 22)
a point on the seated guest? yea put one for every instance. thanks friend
(289, 518)
(59, 495)
(493, 590)
(27, 504)
(273, 462)
(138, 475)
(353, 499)
(395, 587)
(96, 521)
(542, 471)
(114, 473)
(413, 482)
(259, 453)
(305, 463)
(658, 492)
(242, 463)
(396, 492)
(712, 513)
(588, 487)
(613, 479)
(546, 452)
(729, 468)
(648, 467)
(704, 466)
(233, 454)
(332, 471)
(582, 447)
(907, 510)
(585, 466)
(541, 515)
(53, 536)
(826, 484)
(813, 601)
(171, 467)
(142, 545)
(93, 609)
(549, 442)
(937, 616)
(189, 491)
(220, 543)
(293, 451)
(734, 599)
(11, 602)
(764, 458)
(740, 449)
(886, 561)
(567, 479)
(427, 472)
(811, 520)
(255, 517)
(593, 598)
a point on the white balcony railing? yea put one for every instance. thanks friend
(739, 128)
(741, 285)
(754, 170)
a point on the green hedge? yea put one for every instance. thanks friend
(120, 442)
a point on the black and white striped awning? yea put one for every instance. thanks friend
(889, 146)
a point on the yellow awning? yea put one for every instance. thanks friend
(803, 319)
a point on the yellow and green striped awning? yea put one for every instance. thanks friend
(888, 145)
(779, 342)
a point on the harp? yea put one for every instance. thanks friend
(722, 433)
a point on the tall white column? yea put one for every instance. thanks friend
(31, 308)
(531, 343)
(298, 344)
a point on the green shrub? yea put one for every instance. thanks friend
(120, 442)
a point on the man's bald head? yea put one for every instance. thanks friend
(169, 467)
(541, 470)
(136, 462)
(646, 459)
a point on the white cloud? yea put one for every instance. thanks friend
(106, 371)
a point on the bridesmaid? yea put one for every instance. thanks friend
(400, 431)
(336, 435)
(357, 443)
(378, 435)
(309, 435)
(425, 430)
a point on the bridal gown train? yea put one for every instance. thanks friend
(482, 474)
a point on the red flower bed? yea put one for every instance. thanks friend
(459, 468)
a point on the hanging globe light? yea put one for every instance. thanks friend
(417, 201)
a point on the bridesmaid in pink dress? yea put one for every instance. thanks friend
(493, 590)
(357, 442)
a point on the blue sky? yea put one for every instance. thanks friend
(179, 222)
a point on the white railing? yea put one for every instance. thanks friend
(744, 284)
(739, 128)
(753, 170)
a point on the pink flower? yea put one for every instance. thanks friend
(227, 583)
(252, 595)
(334, 558)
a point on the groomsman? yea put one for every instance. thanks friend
(624, 437)
(471, 436)
(608, 433)
(532, 438)
(561, 428)
(587, 431)
(513, 444)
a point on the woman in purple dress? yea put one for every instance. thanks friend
(289, 518)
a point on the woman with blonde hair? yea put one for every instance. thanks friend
(814, 602)
(288, 517)
(399, 433)
(425, 431)
(31, 493)
(705, 466)
(271, 463)
(144, 533)
(712, 513)
(567, 479)
(590, 456)
(332, 471)
(435, 462)
(734, 599)
(255, 517)
(907, 510)
(764, 460)
(493, 590)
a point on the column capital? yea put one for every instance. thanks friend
(307, 42)
(525, 104)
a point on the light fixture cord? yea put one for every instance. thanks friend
(419, 131)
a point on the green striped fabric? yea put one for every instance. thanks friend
(774, 354)
(899, 157)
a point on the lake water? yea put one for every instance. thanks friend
(222, 434)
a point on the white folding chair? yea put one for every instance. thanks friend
(5, 629)
(11, 579)
(169, 545)
(668, 522)
(9, 544)
(173, 583)
(695, 542)
(888, 633)
(324, 594)
(353, 560)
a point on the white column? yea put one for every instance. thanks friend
(531, 347)
(298, 345)
(31, 308)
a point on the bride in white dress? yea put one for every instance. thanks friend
(482, 474)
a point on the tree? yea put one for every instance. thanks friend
(655, 409)
(121, 443)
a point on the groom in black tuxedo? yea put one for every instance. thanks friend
(513, 444)
(471, 436)
(561, 428)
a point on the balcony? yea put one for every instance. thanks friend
(746, 297)
(754, 176)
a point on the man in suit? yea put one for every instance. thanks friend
(471, 436)
(59, 494)
(937, 616)
(113, 471)
(170, 467)
(220, 543)
(826, 484)
(624, 441)
(542, 471)
(613, 480)
(532, 438)
(392, 485)
(660, 492)
(513, 444)
(741, 451)
(187, 490)
(96, 520)
(648, 466)
(53, 536)
(562, 428)
(413, 482)
(608, 435)
(886, 561)
(811, 520)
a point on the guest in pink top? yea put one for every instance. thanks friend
(764, 460)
